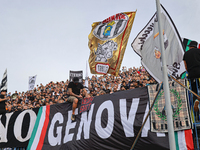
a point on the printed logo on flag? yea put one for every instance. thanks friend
(107, 43)
(31, 82)
(179, 106)
(102, 68)
(111, 27)
(105, 51)
(147, 46)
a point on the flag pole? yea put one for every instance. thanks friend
(170, 123)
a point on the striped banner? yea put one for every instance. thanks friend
(39, 129)
(4, 81)
(184, 140)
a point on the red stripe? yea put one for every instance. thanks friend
(189, 139)
(121, 42)
(44, 129)
(199, 45)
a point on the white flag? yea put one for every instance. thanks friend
(4, 81)
(86, 76)
(147, 46)
(31, 82)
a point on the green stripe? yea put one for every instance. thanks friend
(176, 139)
(187, 48)
(183, 76)
(35, 128)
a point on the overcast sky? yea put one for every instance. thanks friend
(48, 38)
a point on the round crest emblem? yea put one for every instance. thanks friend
(111, 27)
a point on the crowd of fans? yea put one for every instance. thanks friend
(53, 93)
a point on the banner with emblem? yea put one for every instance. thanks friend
(31, 82)
(147, 46)
(107, 43)
(179, 106)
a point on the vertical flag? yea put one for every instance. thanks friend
(107, 43)
(147, 46)
(31, 82)
(186, 42)
(86, 76)
(4, 81)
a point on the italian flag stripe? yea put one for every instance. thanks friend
(184, 140)
(34, 140)
(35, 128)
(189, 139)
(176, 139)
(44, 129)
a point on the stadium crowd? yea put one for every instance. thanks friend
(53, 93)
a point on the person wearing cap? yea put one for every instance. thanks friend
(2, 101)
(191, 60)
(74, 91)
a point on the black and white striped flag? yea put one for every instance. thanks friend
(4, 81)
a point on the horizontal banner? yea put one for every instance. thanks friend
(16, 128)
(112, 122)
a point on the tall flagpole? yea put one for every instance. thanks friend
(170, 124)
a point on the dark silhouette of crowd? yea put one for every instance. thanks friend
(53, 93)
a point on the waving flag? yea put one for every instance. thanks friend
(31, 82)
(4, 81)
(86, 76)
(147, 46)
(186, 42)
(107, 43)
